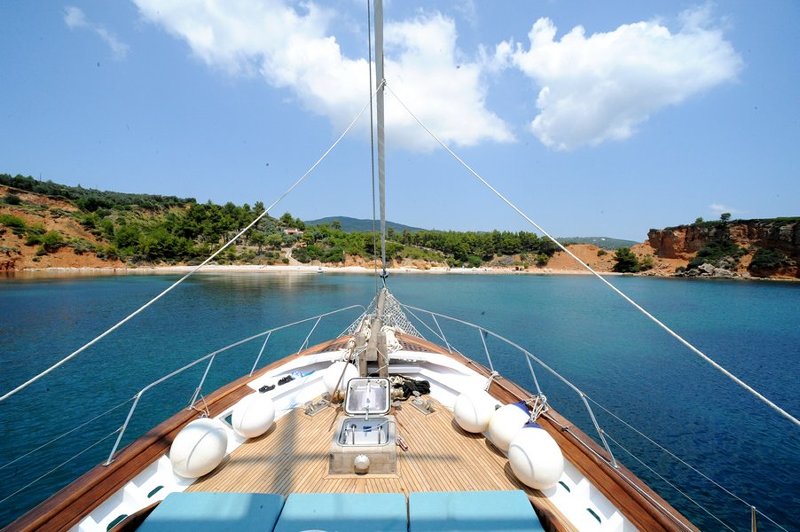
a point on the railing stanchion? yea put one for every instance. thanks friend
(202, 381)
(258, 358)
(449, 349)
(305, 342)
(599, 431)
(533, 373)
(486, 349)
(123, 428)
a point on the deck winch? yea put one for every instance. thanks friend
(364, 441)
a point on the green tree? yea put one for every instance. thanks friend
(274, 241)
(725, 216)
(287, 220)
(698, 220)
(259, 238)
(52, 240)
(126, 238)
(626, 261)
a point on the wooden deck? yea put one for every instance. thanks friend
(293, 457)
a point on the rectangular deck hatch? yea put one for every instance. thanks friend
(367, 397)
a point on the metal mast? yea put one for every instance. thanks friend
(381, 147)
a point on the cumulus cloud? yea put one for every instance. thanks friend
(74, 18)
(443, 90)
(601, 87)
(293, 48)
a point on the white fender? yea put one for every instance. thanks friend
(505, 423)
(473, 410)
(535, 458)
(198, 448)
(253, 415)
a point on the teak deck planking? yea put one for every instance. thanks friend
(293, 458)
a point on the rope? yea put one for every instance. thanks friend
(204, 411)
(192, 272)
(619, 292)
(537, 404)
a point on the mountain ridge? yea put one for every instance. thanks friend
(350, 224)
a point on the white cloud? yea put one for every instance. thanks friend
(293, 48)
(444, 90)
(74, 18)
(720, 208)
(602, 87)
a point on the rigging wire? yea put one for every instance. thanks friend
(679, 459)
(42, 446)
(194, 270)
(380, 78)
(591, 270)
(59, 466)
(673, 486)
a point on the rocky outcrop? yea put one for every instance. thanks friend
(769, 248)
(708, 270)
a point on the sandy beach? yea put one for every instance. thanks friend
(292, 269)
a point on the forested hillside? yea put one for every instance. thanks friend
(45, 220)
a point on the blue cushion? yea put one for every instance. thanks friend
(471, 510)
(201, 511)
(344, 512)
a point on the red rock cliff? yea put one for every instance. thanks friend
(779, 234)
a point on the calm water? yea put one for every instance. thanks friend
(626, 364)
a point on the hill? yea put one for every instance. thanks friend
(88, 198)
(602, 242)
(48, 225)
(350, 225)
(45, 224)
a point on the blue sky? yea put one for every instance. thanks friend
(596, 118)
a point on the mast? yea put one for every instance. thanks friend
(379, 117)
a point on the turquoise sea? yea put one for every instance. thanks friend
(573, 323)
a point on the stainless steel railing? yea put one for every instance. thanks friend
(528, 357)
(210, 357)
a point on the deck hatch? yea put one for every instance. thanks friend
(367, 397)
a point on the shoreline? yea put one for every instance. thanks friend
(56, 272)
(287, 269)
